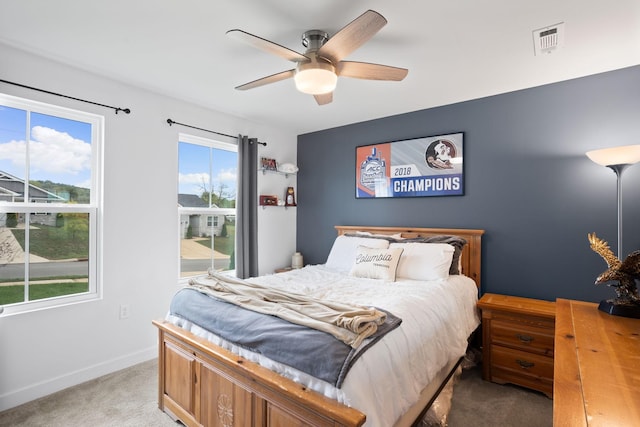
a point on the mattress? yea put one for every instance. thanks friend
(437, 318)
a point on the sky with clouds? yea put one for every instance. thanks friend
(59, 149)
(202, 167)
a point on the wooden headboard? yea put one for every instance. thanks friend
(471, 253)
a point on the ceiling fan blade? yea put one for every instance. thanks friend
(352, 36)
(324, 98)
(267, 46)
(267, 80)
(369, 71)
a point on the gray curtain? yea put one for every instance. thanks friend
(246, 258)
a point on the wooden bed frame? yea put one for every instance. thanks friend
(201, 384)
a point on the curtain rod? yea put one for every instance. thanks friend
(172, 122)
(124, 110)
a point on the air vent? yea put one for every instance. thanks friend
(548, 39)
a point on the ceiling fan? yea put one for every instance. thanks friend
(318, 69)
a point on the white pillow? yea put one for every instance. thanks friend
(343, 251)
(424, 261)
(375, 263)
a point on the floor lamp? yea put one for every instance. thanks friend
(617, 159)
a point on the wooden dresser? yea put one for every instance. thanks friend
(517, 341)
(597, 367)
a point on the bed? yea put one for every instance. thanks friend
(205, 380)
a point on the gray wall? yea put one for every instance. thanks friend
(528, 182)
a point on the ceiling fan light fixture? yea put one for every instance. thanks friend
(317, 70)
(316, 78)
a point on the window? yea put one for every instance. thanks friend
(207, 178)
(49, 193)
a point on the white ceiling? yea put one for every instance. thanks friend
(455, 50)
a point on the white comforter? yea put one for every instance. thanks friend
(437, 317)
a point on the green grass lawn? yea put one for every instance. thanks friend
(72, 241)
(224, 245)
(68, 241)
(15, 293)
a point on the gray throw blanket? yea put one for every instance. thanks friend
(349, 323)
(308, 350)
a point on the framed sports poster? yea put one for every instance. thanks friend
(420, 167)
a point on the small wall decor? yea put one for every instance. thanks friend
(269, 164)
(266, 200)
(287, 168)
(419, 167)
(290, 197)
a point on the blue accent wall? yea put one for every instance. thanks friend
(528, 182)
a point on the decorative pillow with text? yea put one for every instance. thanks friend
(344, 249)
(376, 263)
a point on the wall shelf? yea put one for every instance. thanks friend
(275, 172)
(286, 174)
(278, 206)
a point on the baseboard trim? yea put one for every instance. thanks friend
(44, 388)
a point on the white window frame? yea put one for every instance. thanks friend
(209, 143)
(93, 208)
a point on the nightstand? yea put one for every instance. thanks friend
(517, 341)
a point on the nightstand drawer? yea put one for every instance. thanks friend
(520, 364)
(525, 320)
(522, 368)
(522, 337)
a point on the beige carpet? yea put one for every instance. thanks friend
(480, 403)
(128, 398)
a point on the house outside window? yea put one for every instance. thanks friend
(50, 174)
(207, 177)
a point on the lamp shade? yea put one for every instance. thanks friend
(316, 78)
(622, 155)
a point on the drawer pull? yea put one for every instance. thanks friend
(524, 364)
(525, 338)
